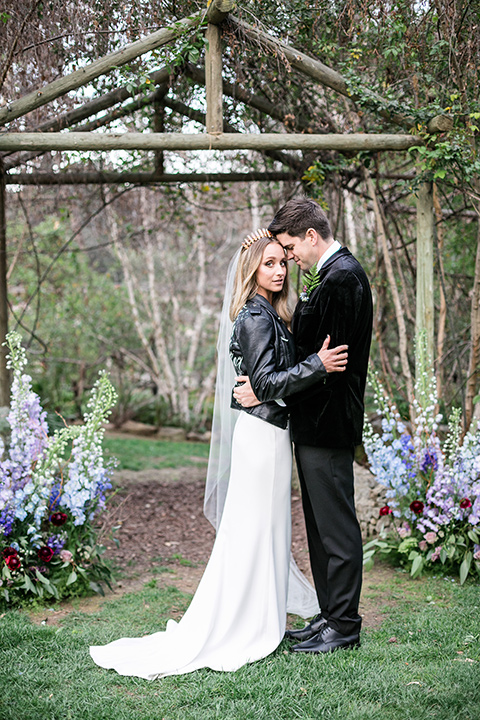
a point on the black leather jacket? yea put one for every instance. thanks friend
(262, 348)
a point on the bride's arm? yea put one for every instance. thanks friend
(255, 335)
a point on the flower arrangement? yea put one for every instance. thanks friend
(433, 487)
(51, 489)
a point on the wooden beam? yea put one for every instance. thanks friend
(440, 124)
(318, 71)
(425, 298)
(203, 141)
(4, 374)
(218, 10)
(85, 75)
(213, 79)
(140, 102)
(144, 178)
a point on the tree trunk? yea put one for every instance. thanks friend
(425, 304)
(402, 331)
(472, 375)
(442, 313)
(4, 374)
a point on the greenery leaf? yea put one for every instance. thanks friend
(96, 587)
(28, 585)
(465, 567)
(417, 566)
(71, 578)
(473, 535)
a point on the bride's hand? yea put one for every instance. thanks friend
(244, 394)
(334, 360)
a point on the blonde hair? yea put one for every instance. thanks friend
(245, 283)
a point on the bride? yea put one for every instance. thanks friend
(238, 613)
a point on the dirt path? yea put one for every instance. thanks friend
(163, 534)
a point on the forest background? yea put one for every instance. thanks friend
(130, 276)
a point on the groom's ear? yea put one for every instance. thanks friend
(312, 236)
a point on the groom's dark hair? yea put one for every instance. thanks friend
(299, 214)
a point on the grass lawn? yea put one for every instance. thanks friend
(422, 663)
(134, 453)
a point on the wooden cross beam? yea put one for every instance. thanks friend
(143, 178)
(204, 141)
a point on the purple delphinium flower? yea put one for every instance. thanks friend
(429, 461)
(56, 542)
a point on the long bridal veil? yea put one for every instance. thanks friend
(302, 599)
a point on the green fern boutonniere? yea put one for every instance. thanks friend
(312, 280)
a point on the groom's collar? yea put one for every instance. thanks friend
(331, 250)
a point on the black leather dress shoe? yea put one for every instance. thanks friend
(313, 628)
(327, 640)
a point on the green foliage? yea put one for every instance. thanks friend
(78, 313)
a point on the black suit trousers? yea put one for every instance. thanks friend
(334, 537)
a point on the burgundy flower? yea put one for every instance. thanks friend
(58, 518)
(385, 510)
(45, 553)
(8, 551)
(13, 562)
(465, 503)
(417, 507)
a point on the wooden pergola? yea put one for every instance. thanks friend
(19, 147)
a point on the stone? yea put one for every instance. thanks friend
(369, 498)
(137, 428)
(172, 434)
(199, 437)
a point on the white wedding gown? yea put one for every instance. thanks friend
(238, 613)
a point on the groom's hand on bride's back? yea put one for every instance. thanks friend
(334, 360)
(244, 394)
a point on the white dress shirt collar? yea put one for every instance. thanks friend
(331, 250)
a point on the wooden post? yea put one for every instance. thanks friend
(213, 79)
(425, 304)
(159, 126)
(4, 374)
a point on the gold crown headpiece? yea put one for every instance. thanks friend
(250, 239)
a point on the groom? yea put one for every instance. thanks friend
(327, 420)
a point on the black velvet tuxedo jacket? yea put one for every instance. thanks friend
(331, 413)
